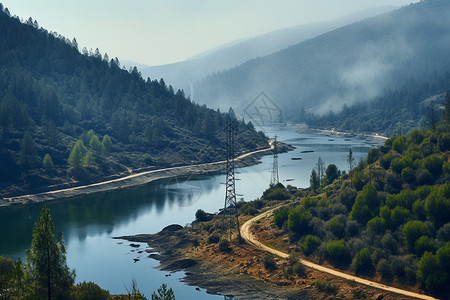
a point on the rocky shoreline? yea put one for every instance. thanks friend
(168, 247)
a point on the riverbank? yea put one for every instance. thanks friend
(373, 139)
(140, 178)
(241, 269)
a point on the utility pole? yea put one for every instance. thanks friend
(274, 178)
(230, 207)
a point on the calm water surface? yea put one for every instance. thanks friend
(89, 222)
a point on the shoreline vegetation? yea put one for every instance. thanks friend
(141, 178)
(386, 222)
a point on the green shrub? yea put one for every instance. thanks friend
(280, 216)
(338, 250)
(299, 269)
(362, 261)
(214, 238)
(310, 244)
(269, 263)
(412, 231)
(224, 245)
(88, 291)
(202, 216)
(298, 220)
(424, 243)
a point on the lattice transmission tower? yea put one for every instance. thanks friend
(230, 213)
(274, 179)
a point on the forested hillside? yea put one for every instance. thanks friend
(388, 218)
(71, 116)
(398, 58)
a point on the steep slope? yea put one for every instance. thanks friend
(183, 74)
(91, 117)
(349, 65)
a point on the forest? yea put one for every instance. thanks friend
(71, 115)
(389, 216)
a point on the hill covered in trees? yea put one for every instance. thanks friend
(388, 218)
(397, 59)
(71, 116)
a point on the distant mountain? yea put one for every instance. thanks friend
(182, 74)
(352, 64)
(66, 117)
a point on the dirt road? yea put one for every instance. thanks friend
(127, 181)
(247, 235)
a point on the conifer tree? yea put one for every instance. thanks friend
(47, 270)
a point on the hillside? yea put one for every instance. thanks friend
(388, 219)
(68, 117)
(383, 55)
(183, 74)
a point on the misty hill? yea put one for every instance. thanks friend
(349, 65)
(67, 117)
(183, 74)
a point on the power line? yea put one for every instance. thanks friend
(274, 178)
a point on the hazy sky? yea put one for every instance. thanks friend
(157, 32)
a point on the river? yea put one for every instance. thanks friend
(89, 222)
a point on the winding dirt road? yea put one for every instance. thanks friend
(248, 236)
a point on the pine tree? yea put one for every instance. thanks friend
(47, 270)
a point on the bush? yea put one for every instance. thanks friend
(412, 231)
(338, 251)
(224, 245)
(444, 141)
(362, 261)
(280, 215)
(383, 268)
(214, 238)
(377, 225)
(299, 269)
(269, 263)
(298, 220)
(325, 287)
(310, 244)
(424, 243)
(433, 163)
(430, 274)
(408, 175)
(202, 216)
(88, 291)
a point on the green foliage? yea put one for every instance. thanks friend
(314, 181)
(107, 144)
(365, 203)
(77, 155)
(96, 147)
(332, 172)
(336, 225)
(338, 251)
(214, 238)
(202, 216)
(299, 269)
(224, 245)
(430, 273)
(46, 261)
(310, 244)
(437, 205)
(269, 263)
(280, 216)
(377, 225)
(276, 192)
(444, 141)
(6, 274)
(362, 261)
(399, 144)
(326, 287)
(88, 291)
(424, 243)
(412, 231)
(163, 293)
(47, 162)
(298, 220)
(433, 163)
